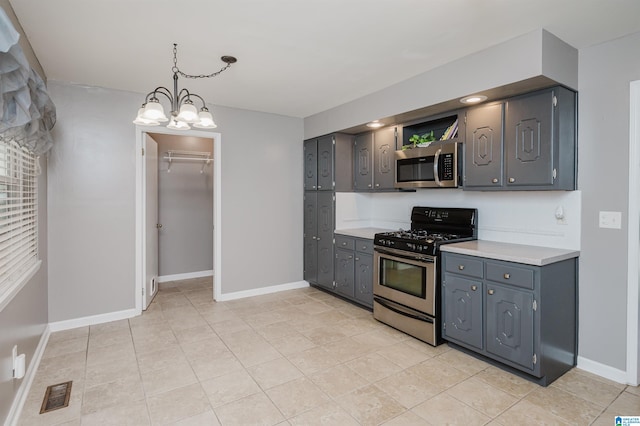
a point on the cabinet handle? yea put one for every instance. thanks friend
(507, 276)
(490, 291)
(511, 180)
(474, 287)
(350, 257)
(357, 258)
(319, 187)
(461, 267)
(315, 238)
(369, 186)
(344, 243)
(494, 180)
(377, 185)
(314, 187)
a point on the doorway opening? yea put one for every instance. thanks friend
(187, 229)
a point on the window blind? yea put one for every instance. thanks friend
(18, 212)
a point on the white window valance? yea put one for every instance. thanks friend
(27, 113)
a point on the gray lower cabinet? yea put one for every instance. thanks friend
(374, 164)
(521, 316)
(319, 218)
(354, 269)
(527, 142)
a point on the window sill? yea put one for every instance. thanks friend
(7, 294)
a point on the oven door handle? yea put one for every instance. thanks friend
(389, 306)
(395, 255)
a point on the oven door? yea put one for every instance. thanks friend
(405, 278)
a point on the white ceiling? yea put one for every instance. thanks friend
(295, 57)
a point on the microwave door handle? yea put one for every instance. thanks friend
(436, 160)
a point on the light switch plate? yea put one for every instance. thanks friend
(611, 220)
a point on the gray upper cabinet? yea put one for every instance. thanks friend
(483, 147)
(526, 143)
(328, 163)
(374, 160)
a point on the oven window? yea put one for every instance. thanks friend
(403, 277)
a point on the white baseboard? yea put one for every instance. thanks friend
(605, 371)
(93, 320)
(262, 291)
(185, 276)
(27, 380)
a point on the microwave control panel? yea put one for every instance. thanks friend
(447, 167)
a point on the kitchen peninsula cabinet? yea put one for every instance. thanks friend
(527, 142)
(374, 163)
(354, 269)
(522, 315)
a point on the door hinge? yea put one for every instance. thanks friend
(142, 151)
(535, 359)
(333, 140)
(143, 291)
(555, 101)
(444, 325)
(535, 305)
(554, 174)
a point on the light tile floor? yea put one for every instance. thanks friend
(301, 357)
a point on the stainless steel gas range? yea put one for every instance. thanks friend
(406, 285)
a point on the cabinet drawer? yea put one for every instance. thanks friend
(364, 246)
(464, 266)
(347, 243)
(513, 275)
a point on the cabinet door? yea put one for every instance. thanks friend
(310, 164)
(483, 147)
(462, 310)
(363, 158)
(326, 212)
(364, 278)
(510, 324)
(310, 237)
(325, 163)
(528, 140)
(344, 272)
(384, 149)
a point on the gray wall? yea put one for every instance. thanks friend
(23, 321)
(185, 207)
(605, 74)
(92, 206)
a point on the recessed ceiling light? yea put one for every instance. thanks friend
(375, 124)
(473, 99)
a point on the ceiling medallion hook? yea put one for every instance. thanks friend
(183, 111)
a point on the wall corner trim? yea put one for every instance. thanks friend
(93, 320)
(603, 370)
(27, 381)
(262, 291)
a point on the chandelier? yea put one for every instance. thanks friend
(183, 110)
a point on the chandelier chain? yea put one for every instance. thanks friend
(177, 70)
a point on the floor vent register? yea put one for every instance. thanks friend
(56, 397)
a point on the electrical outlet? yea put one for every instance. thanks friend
(610, 220)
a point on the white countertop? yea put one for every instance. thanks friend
(367, 233)
(530, 255)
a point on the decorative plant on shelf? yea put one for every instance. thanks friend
(418, 140)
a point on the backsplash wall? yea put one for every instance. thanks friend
(526, 217)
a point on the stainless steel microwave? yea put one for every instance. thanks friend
(433, 166)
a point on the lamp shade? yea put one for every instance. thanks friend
(154, 111)
(205, 121)
(143, 121)
(188, 113)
